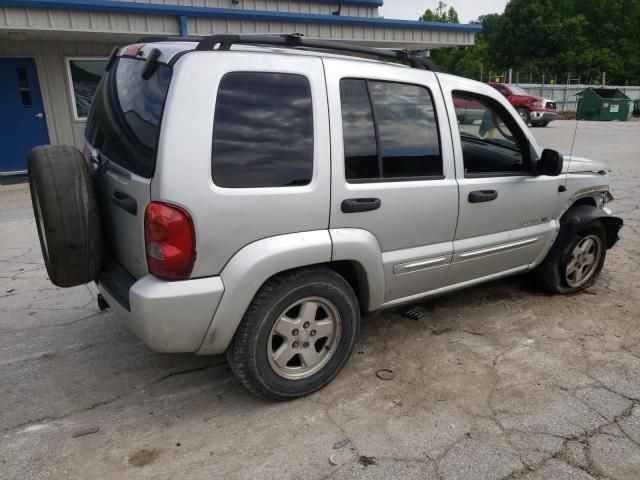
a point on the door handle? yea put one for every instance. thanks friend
(125, 202)
(39, 115)
(355, 205)
(482, 196)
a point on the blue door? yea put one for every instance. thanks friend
(22, 122)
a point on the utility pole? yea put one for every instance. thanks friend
(604, 78)
(481, 72)
(510, 75)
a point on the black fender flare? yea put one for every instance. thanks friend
(579, 216)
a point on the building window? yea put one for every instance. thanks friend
(84, 75)
(263, 131)
(390, 131)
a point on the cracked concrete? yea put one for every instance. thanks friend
(496, 382)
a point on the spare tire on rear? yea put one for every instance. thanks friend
(67, 214)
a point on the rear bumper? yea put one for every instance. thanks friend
(169, 317)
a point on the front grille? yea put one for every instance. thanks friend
(551, 105)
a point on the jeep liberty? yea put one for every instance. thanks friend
(258, 195)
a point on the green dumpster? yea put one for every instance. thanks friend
(604, 104)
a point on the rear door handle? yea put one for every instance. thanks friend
(482, 196)
(125, 201)
(355, 205)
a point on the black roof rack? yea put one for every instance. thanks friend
(295, 40)
(166, 38)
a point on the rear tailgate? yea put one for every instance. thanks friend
(122, 136)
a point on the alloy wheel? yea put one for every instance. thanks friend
(304, 338)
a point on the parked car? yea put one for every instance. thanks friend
(246, 196)
(536, 111)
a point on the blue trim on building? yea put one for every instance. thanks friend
(184, 26)
(234, 14)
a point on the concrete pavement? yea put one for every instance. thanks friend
(496, 382)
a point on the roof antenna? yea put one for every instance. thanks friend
(337, 12)
(575, 132)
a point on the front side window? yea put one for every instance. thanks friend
(263, 131)
(390, 131)
(489, 144)
(84, 75)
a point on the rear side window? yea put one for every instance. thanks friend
(390, 131)
(263, 131)
(126, 114)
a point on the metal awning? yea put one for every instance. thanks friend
(109, 20)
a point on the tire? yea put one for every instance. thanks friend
(552, 275)
(525, 115)
(66, 213)
(539, 124)
(277, 309)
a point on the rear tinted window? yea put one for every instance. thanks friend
(263, 131)
(125, 117)
(390, 131)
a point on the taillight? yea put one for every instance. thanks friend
(170, 241)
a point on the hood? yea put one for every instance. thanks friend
(530, 97)
(575, 164)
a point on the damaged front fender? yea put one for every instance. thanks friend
(578, 217)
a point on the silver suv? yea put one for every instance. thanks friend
(258, 195)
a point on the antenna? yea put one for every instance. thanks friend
(575, 132)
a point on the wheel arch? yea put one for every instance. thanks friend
(352, 253)
(250, 268)
(583, 212)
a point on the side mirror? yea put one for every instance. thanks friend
(550, 163)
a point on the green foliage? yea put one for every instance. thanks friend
(441, 14)
(552, 37)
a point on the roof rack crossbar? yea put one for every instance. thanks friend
(295, 40)
(165, 38)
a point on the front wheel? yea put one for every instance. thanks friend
(296, 335)
(525, 115)
(576, 264)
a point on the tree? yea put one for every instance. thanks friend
(552, 37)
(441, 14)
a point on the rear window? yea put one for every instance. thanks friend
(263, 131)
(126, 113)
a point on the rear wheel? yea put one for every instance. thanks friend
(296, 335)
(66, 213)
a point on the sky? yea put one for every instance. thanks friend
(467, 9)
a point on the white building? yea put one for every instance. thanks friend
(53, 52)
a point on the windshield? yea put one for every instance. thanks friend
(518, 90)
(125, 117)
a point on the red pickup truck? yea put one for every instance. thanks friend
(536, 111)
